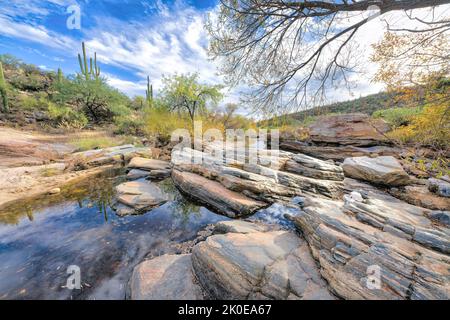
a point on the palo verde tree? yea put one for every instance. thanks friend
(290, 52)
(184, 93)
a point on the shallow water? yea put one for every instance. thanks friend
(40, 238)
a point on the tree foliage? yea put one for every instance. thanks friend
(290, 52)
(184, 93)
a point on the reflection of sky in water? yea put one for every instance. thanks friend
(37, 246)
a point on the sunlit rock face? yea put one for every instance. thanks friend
(381, 170)
(355, 129)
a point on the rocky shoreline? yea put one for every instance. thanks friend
(356, 219)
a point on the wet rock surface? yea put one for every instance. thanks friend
(137, 196)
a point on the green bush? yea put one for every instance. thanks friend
(130, 125)
(94, 97)
(66, 117)
(32, 103)
(398, 117)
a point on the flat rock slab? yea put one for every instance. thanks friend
(148, 164)
(168, 277)
(384, 170)
(314, 168)
(257, 265)
(140, 195)
(215, 195)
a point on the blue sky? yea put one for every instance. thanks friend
(132, 39)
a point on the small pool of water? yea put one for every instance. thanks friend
(40, 238)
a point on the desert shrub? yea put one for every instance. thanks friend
(397, 117)
(130, 124)
(430, 128)
(31, 103)
(160, 122)
(65, 116)
(99, 101)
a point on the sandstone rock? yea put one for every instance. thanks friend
(351, 240)
(314, 168)
(380, 170)
(349, 129)
(139, 195)
(439, 187)
(168, 277)
(215, 195)
(442, 217)
(148, 164)
(421, 196)
(257, 265)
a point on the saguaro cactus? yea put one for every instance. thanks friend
(60, 76)
(93, 70)
(3, 89)
(149, 92)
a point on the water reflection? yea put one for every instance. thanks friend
(40, 238)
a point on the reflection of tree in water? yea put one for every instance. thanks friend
(181, 207)
(97, 191)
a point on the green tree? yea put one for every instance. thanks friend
(94, 97)
(184, 93)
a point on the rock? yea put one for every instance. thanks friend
(215, 195)
(55, 191)
(440, 187)
(134, 174)
(338, 153)
(351, 240)
(238, 226)
(421, 196)
(257, 265)
(139, 195)
(314, 168)
(349, 129)
(381, 170)
(119, 154)
(168, 277)
(442, 217)
(148, 164)
(159, 174)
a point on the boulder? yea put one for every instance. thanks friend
(148, 164)
(375, 249)
(349, 129)
(215, 195)
(440, 187)
(112, 155)
(139, 195)
(168, 277)
(384, 170)
(257, 265)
